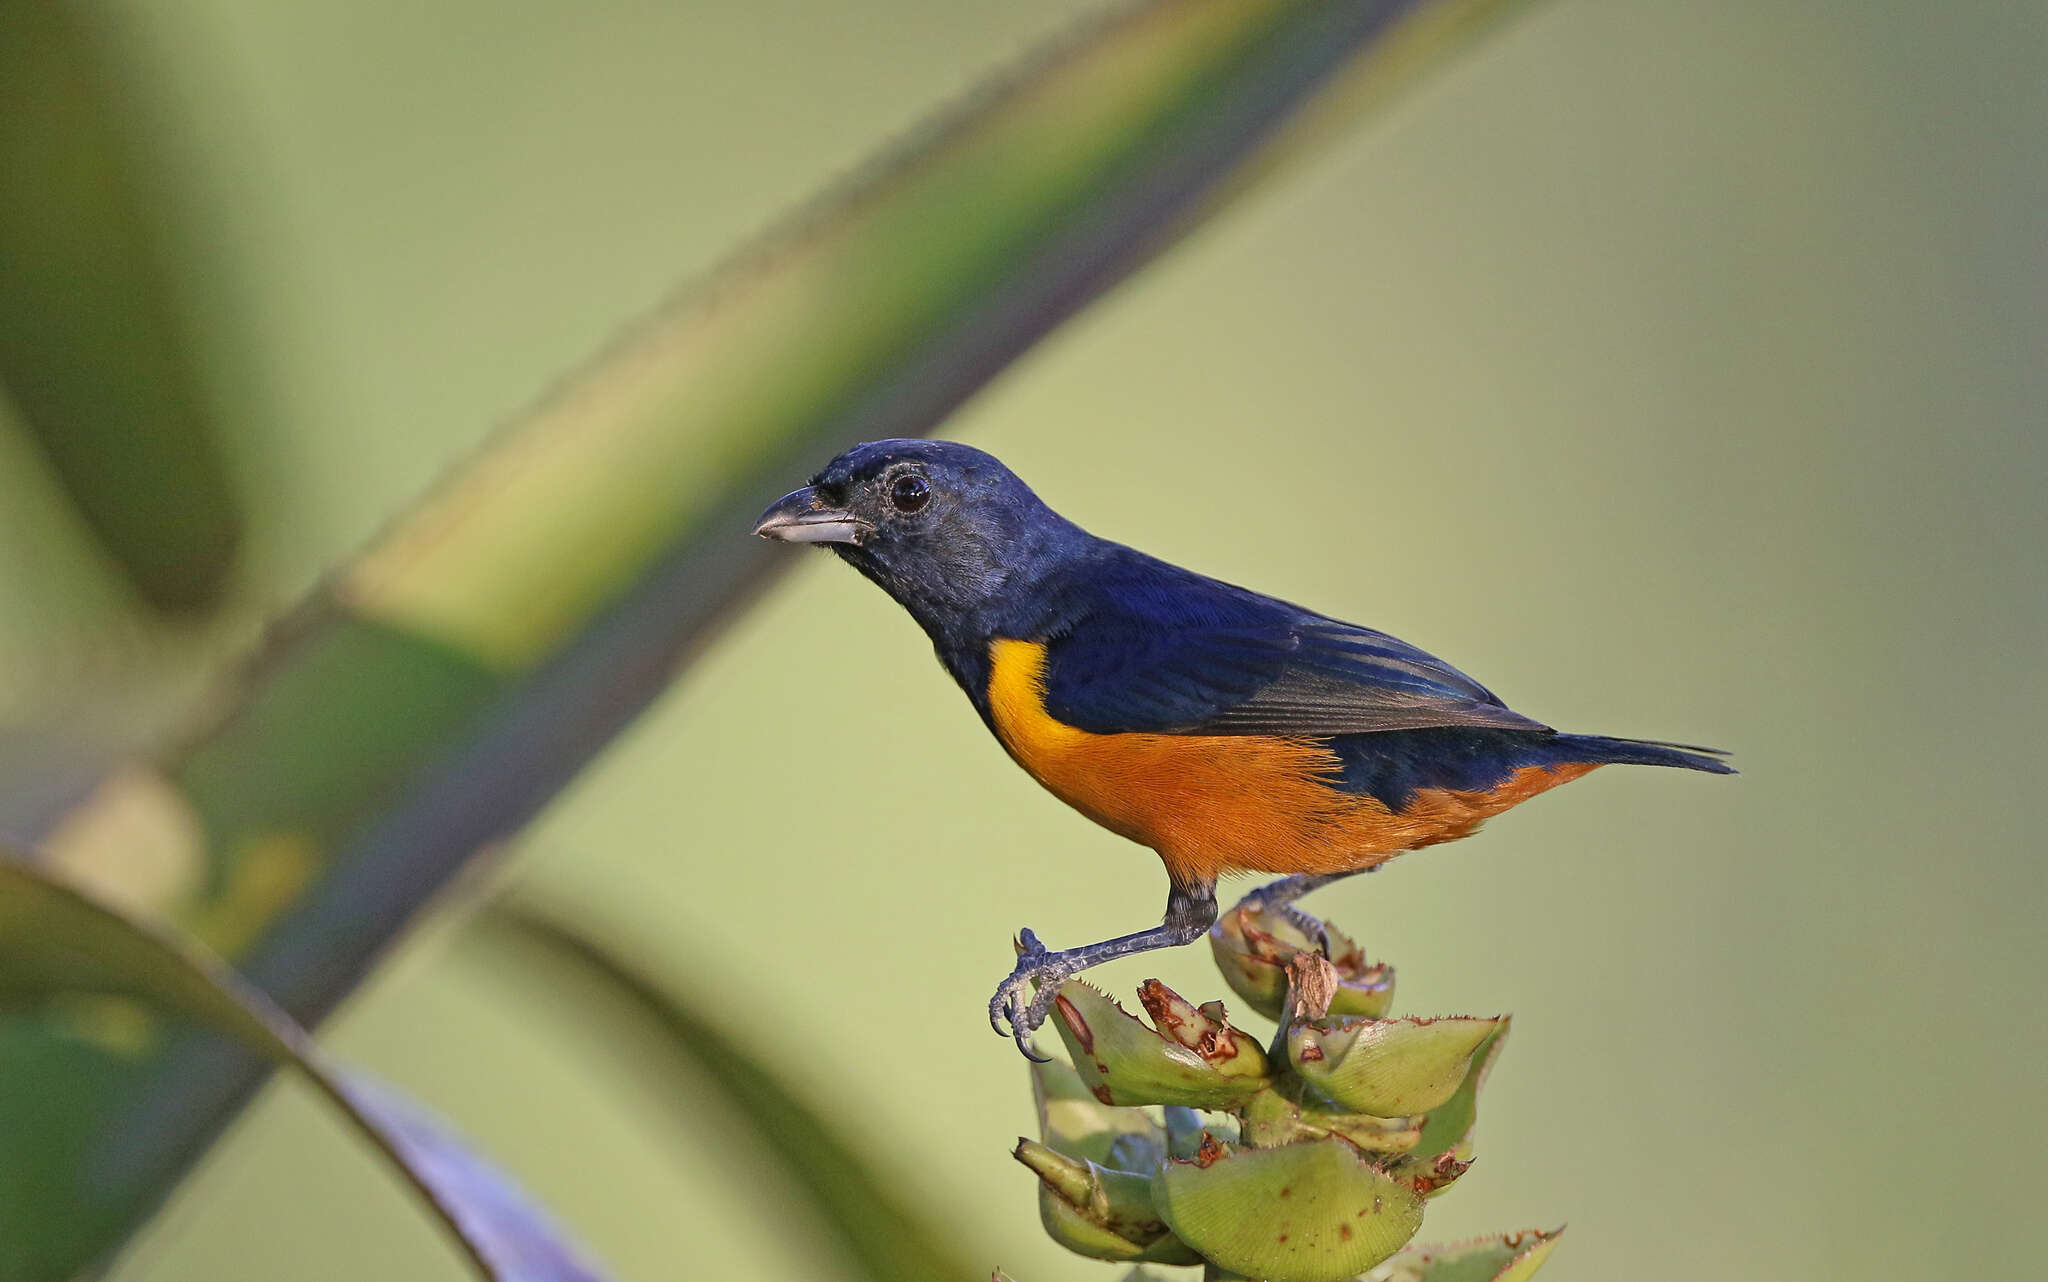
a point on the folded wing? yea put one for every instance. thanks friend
(1154, 649)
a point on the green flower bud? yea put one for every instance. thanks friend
(1100, 1213)
(1387, 1067)
(1193, 1058)
(1252, 950)
(1511, 1257)
(1313, 1211)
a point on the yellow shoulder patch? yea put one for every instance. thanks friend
(1016, 700)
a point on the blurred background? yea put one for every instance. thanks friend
(1675, 369)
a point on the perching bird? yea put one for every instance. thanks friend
(1228, 731)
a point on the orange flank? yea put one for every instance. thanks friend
(1240, 803)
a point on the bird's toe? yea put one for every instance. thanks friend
(1024, 998)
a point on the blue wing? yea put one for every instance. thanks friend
(1147, 647)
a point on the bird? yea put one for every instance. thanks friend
(1229, 731)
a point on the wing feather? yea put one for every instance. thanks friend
(1164, 651)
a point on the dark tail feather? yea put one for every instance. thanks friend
(1645, 752)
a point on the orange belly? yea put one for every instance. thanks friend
(1237, 803)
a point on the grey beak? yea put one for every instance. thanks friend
(800, 517)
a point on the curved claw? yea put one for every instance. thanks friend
(1002, 1006)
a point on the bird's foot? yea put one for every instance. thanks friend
(1023, 1000)
(1278, 899)
(1312, 928)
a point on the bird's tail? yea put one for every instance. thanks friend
(1645, 752)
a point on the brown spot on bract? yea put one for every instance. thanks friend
(1075, 1024)
(1311, 1053)
(1344, 1232)
(1158, 1001)
(1102, 1093)
(1209, 1153)
(1283, 1237)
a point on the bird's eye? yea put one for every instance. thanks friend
(909, 492)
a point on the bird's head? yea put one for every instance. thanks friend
(945, 529)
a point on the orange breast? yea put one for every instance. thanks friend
(1216, 804)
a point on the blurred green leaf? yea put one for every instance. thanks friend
(55, 942)
(92, 349)
(880, 1233)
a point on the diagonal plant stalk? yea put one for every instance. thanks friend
(440, 688)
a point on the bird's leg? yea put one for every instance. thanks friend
(1190, 910)
(1279, 897)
